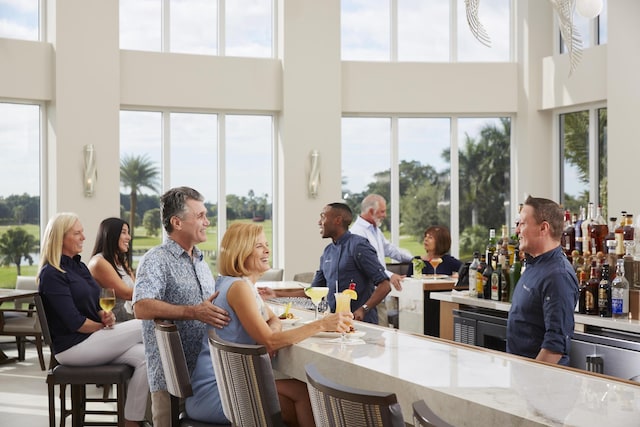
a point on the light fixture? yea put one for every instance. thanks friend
(314, 174)
(589, 8)
(90, 170)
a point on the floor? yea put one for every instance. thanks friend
(23, 390)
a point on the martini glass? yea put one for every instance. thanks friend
(435, 262)
(316, 293)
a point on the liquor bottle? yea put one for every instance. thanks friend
(598, 230)
(473, 275)
(582, 308)
(619, 235)
(611, 235)
(502, 247)
(578, 228)
(591, 296)
(611, 258)
(620, 293)
(504, 287)
(629, 235)
(604, 293)
(586, 239)
(568, 239)
(486, 280)
(497, 283)
(514, 273)
(480, 277)
(491, 247)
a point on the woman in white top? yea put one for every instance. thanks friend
(110, 264)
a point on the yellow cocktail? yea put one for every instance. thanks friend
(343, 303)
(316, 293)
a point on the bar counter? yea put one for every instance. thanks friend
(465, 385)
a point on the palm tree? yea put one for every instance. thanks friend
(136, 173)
(16, 244)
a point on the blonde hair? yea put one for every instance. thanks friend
(51, 248)
(237, 245)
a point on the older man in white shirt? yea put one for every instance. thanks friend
(373, 211)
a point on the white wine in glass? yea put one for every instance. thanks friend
(107, 300)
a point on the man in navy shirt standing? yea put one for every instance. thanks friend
(540, 324)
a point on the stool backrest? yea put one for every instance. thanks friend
(341, 406)
(174, 362)
(246, 383)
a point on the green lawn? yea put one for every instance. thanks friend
(142, 242)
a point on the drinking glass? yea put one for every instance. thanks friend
(435, 262)
(343, 305)
(107, 300)
(316, 293)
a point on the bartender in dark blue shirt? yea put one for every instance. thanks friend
(541, 322)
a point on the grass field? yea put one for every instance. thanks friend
(143, 242)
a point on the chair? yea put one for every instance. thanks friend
(174, 365)
(246, 383)
(77, 377)
(23, 323)
(423, 416)
(304, 277)
(272, 275)
(341, 406)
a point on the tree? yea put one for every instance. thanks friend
(16, 244)
(151, 221)
(136, 173)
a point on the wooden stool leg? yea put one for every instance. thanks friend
(122, 393)
(52, 404)
(77, 405)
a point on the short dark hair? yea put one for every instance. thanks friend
(344, 211)
(173, 203)
(550, 211)
(442, 236)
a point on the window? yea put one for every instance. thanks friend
(583, 149)
(463, 185)
(193, 142)
(197, 26)
(592, 32)
(421, 30)
(20, 19)
(20, 198)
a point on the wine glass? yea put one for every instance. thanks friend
(435, 262)
(107, 300)
(316, 293)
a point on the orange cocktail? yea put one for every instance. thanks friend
(435, 262)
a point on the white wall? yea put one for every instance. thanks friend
(84, 78)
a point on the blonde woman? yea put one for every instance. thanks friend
(70, 296)
(244, 257)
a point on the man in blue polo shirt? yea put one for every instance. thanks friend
(540, 324)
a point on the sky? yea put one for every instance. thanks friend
(365, 29)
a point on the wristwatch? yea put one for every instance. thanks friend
(366, 308)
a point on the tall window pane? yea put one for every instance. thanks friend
(19, 19)
(193, 163)
(365, 30)
(140, 175)
(20, 198)
(574, 140)
(485, 180)
(193, 26)
(249, 28)
(425, 167)
(496, 19)
(141, 25)
(603, 27)
(423, 30)
(602, 156)
(249, 171)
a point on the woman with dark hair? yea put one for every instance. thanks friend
(437, 242)
(109, 264)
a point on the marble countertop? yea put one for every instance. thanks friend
(583, 319)
(466, 385)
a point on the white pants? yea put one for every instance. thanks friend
(122, 344)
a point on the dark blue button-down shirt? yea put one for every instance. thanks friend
(543, 306)
(350, 259)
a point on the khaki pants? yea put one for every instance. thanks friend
(161, 408)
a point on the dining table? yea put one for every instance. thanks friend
(464, 385)
(9, 295)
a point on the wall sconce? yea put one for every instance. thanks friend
(314, 174)
(90, 170)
